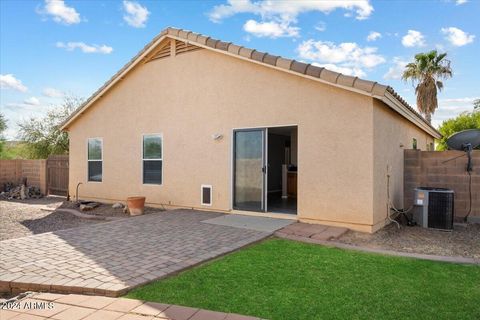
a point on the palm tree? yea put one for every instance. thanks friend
(428, 70)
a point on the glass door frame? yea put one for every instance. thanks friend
(264, 199)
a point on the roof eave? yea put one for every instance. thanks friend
(113, 80)
(396, 105)
(375, 90)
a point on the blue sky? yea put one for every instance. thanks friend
(51, 48)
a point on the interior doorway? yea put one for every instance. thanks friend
(265, 169)
(282, 170)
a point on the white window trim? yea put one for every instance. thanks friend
(101, 159)
(156, 159)
(209, 186)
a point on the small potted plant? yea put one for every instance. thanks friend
(135, 205)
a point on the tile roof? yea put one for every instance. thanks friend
(349, 82)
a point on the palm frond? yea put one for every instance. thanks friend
(439, 85)
(426, 70)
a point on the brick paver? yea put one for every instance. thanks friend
(110, 258)
(83, 309)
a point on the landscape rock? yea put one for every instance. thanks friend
(88, 206)
(22, 192)
(85, 207)
(117, 205)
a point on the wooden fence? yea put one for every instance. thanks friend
(57, 175)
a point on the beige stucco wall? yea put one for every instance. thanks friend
(392, 135)
(192, 96)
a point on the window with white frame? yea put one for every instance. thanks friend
(152, 158)
(95, 162)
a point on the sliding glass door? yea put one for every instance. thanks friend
(249, 169)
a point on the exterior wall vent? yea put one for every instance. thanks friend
(161, 53)
(183, 47)
(206, 195)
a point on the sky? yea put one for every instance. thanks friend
(53, 48)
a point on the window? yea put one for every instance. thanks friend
(152, 159)
(414, 144)
(95, 159)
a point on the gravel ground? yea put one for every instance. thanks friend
(20, 218)
(463, 241)
(106, 210)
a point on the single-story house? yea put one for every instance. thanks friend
(195, 122)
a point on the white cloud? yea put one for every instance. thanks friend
(278, 18)
(413, 38)
(16, 112)
(60, 12)
(70, 46)
(460, 2)
(346, 56)
(457, 37)
(321, 26)
(289, 10)
(135, 15)
(396, 70)
(374, 35)
(451, 107)
(32, 101)
(52, 93)
(345, 70)
(23, 105)
(270, 29)
(468, 100)
(8, 81)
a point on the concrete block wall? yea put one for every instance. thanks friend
(15, 170)
(443, 169)
(9, 171)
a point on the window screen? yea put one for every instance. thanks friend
(152, 159)
(95, 166)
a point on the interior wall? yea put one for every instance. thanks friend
(294, 146)
(276, 158)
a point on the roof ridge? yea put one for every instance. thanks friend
(372, 88)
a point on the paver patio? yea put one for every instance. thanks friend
(39, 306)
(111, 258)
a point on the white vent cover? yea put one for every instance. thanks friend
(206, 194)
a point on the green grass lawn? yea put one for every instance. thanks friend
(281, 279)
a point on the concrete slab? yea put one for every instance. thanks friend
(330, 233)
(314, 231)
(262, 224)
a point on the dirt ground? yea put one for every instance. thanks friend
(462, 241)
(20, 218)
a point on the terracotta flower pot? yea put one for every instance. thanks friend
(135, 205)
